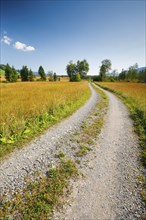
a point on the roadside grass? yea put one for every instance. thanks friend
(91, 129)
(134, 97)
(60, 155)
(28, 108)
(39, 198)
(83, 150)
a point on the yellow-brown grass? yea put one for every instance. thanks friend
(135, 91)
(26, 100)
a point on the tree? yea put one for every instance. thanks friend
(71, 69)
(55, 77)
(24, 73)
(132, 74)
(105, 67)
(122, 75)
(30, 75)
(50, 74)
(42, 73)
(96, 78)
(11, 74)
(82, 68)
(102, 72)
(2, 66)
(75, 78)
(14, 76)
(142, 76)
(78, 77)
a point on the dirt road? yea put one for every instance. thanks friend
(40, 153)
(109, 190)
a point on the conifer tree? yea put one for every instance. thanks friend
(11, 74)
(30, 75)
(42, 73)
(24, 73)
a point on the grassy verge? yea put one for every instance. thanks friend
(39, 198)
(92, 126)
(20, 125)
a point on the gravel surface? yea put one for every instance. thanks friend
(109, 189)
(40, 153)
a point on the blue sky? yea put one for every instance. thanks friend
(51, 33)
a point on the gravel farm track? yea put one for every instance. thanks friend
(109, 189)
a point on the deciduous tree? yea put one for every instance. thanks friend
(71, 69)
(81, 68)
(50, 75)
(105, 67)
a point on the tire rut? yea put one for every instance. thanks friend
(40, 153)
(109, 189)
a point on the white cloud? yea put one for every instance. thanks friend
(6, 40)
(21, 46)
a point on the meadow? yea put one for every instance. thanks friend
(134, 91)
(2, 72)
(28, 108)
(134, 96)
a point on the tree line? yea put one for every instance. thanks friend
(25, 74)
(130, 75)
(78, 71)
(75, 71)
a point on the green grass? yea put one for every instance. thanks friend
(2, 72)
(91, 129)
(83, 150)
(60, 155)
(39, 197)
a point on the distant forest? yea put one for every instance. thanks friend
(133, 74)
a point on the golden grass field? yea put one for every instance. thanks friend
(134, 91)
(25, 101)
(36, 78)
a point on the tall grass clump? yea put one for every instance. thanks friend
(28, 108)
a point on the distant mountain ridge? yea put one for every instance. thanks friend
(140, 69)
